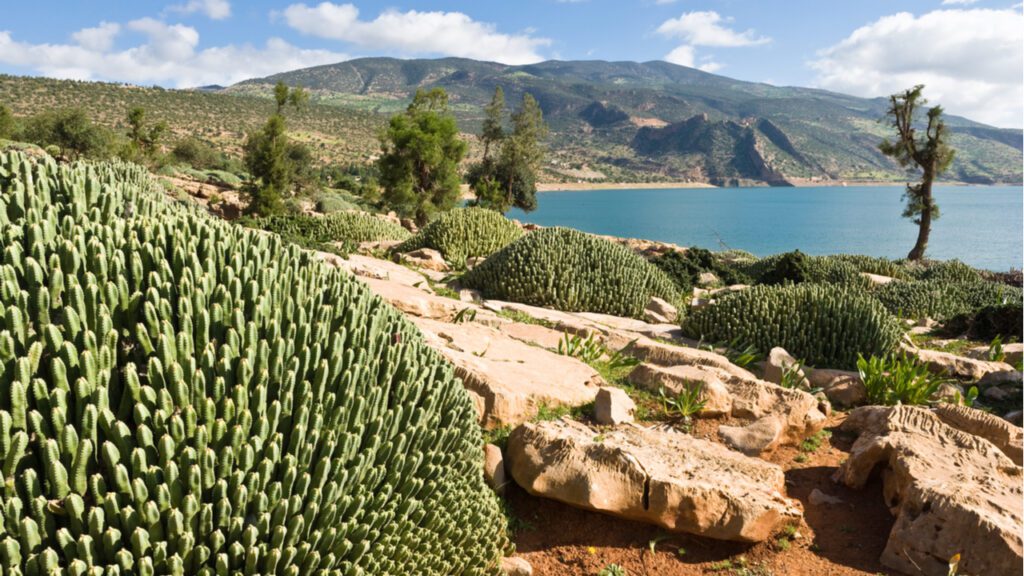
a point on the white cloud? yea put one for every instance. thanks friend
(414, 32)
(971, 61)
(168, 55)
(961, 2)
(215, 9)
(704, 29)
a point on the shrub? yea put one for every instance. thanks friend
(890, 381)
(940, 300)
(1002, 321)
(873, 265)
(796, 267)
(572, 271)
(185, 396)
(345, 228)
(685, 268)
(331, 201)
(464, 232)
(942, 271)
(826, 326)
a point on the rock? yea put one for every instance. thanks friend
(659, 311)
(654, 352)
(951, 492)
(534, 334)
(1008, 438)
(613, 406)
(372, 246)
(819, 498)
(377, 269)
(409, 224)
(558, 320)
(841, 387)
(510, 380)
(614, 326)
(1007, 378)
(416, 302)
(474, 261)
(669, 479)
(494, 468)
(678, 379)
(778, 363)
(1015, 417)
(470, 295)
(959, 366)
(824, 404)
(426, 258)
(877, 279)
(996, 394)
(516, 566)
(948, 393)
(1012, 353)
(753, 439)
(707, 279)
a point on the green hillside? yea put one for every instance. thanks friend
(656, 120)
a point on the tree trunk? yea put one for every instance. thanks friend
(925, 225)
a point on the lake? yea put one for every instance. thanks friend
(981, 225)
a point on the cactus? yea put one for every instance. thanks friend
(826, 326)
(941, 300)
(208, 399)
(572, 271)
(464, 232)
(347, 229)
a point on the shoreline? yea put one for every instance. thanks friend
(589, 186)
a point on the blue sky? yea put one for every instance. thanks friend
(973, 64)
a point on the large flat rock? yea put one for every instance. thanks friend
(963, 367)
(509, 380)
(377, 269)
(951, 492)
(666, 478)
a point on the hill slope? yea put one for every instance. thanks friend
(656, 120)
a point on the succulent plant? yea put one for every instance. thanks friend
(569, 270)
(942, 299)
(345, 228)
(825, 326)
(185, 396)
(464, 232)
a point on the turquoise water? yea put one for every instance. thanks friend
(979, 225)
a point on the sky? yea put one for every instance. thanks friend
(968, 53)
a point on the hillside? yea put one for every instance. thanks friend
(657, 121)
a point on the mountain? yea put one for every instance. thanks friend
(660, 121)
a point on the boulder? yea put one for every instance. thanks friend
(678, 379)
(1005, 436)
(417, 302)
(951, 492)
(470, 295)
(753, 439)
(372, 246)
(1012, 353)
(842, 388)
(377, 269)
(672, 480)
(556, 319)
(509, 380)
(494, 468)
(654, 352)
(778, 363)
(963, 367)
(613, 406)
(659, 311)
(533, 334)
(707, 279)
(877, 279)
(426, 258)
(819, 498)
(516, 566)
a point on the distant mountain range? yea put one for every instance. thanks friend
(659, 121)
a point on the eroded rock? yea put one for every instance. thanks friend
(779, 363)
(659, 311)
(494, 468)
(672, 480)
(1005, 436)
(951, 492)
(949, 364)
(842, 388)
(613, 406)
(426, 258)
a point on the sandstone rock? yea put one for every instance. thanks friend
(494, 468)
(372, 246)
(613, 406)
(474, 261)
(1012, 352)
(534, 334)
(377, 269)
(841, 387)
(617, 329)
(417, 302)
(562, 321)
(516, 566)
(778, 363)
(819, 498)
(996, 394)
(426, 258)
(677, 379)
(1006, 378)
(1015, 417)
(654, 352)
(707, 279)
(510, 380)
(470, 295)
(959, 366)
(659, 311)
(999, 432)
(951, 492)
(673, 480)
(753, 439)
(877, 279)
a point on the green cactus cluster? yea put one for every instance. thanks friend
(572, 271)
(824, 326)
(796, 267)
(942, 271)
(465, 232)
(347, 229)
(185, 396)
(942, 299)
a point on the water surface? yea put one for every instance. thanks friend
(981, 225)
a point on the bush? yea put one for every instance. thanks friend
(185, 396)
(796, 267)
(464, 232)
(940, 300)
(569, 270)
(685, 268)
(1004, 321)
(826, 326)
(891, 381)
(331, 201)
(346, 228)
(942, 271)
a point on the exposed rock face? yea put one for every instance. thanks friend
(1012, 352)
(959, 366)
(678, 379)
(659, 311)
(841, 387)
(1005, 436)
(366, 267)
(426, 258)
(494, 468)
(613, 406)
(951, 492)
(508, 379)
(778, 363)
(669, 479)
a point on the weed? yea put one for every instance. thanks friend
(995, 350)
(812, 443)
(896, 380)
(721, 565)
(652, 544)
(684, 404)
(464, 315)
(793, 376)
(801, 458)
(612, 570)
(523, 318)
(586, 349)
(498, 436)
(782, 544)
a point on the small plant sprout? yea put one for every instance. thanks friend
(683, 405)
(465, 315)
(612, 570)
(585, 349)
(995, 350)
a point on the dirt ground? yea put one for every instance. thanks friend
(834, 540)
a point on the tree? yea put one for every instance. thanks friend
(298, 97)
(266, 157)
(142, 137)
(7, 125)
(493, 128)
(420, 155)
(930, 153)
(280, 95)
(69, 129)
